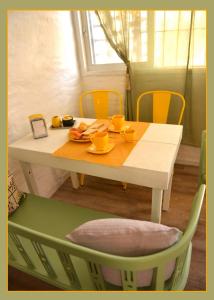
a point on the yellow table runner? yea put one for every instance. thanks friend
(115, 158)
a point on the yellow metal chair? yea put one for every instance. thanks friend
(161, 105)
(101, 102)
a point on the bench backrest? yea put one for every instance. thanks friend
(73, 267)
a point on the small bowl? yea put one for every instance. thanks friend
(68, 121)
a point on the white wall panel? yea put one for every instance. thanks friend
(43, 78)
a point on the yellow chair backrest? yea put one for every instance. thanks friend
(161, 103)
(101, 102)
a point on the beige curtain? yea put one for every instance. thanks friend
(194, 119)
(162, 50)
(122, 29)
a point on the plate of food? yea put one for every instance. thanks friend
(79, 134)
(83, 132)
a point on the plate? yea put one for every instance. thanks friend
(112, 129)
(80, 140)
(92, 149)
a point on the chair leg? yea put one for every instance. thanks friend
(82, 179)
(124, 184)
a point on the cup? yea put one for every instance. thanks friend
(129, 134)
(100, 140)
(67, 121)
(56, 121)
(118, 121)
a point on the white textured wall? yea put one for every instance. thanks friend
(111, 82)
(43, 71)
(43, 77)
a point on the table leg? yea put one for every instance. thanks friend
(157, 195)
(167, 195)
(74, 180)
(30, 180)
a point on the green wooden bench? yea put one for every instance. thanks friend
(37, 246)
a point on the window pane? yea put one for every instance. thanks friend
(170, 48)
(199, 47)
(158, 59)
(101, 50)
(171, 20)
(143, 26)
(93, 18)
(159, 20)
(173, 44)
(138, 37)
(144, 50)
(200, 19)
(185, 18)
(182, 50)
(106, 58)
(104, 51)
(199, 39)
(98, 33)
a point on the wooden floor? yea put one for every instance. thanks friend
(135, 203)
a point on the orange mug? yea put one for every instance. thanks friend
(129, 134)
(56, 121)
(118, 121)
(100, 140)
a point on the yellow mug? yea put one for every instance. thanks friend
(118, 121)
(129, 134)
(100, 140)
(56, 121)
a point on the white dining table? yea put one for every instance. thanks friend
(150, 163)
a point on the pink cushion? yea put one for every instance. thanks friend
(126, 237)
(143, 278)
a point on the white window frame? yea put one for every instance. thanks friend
(83, 48)
(88, 68)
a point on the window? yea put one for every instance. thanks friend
(160, 31)
(171, 30)
(100, 50)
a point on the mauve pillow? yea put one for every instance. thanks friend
(143, 278)
(125, 237)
